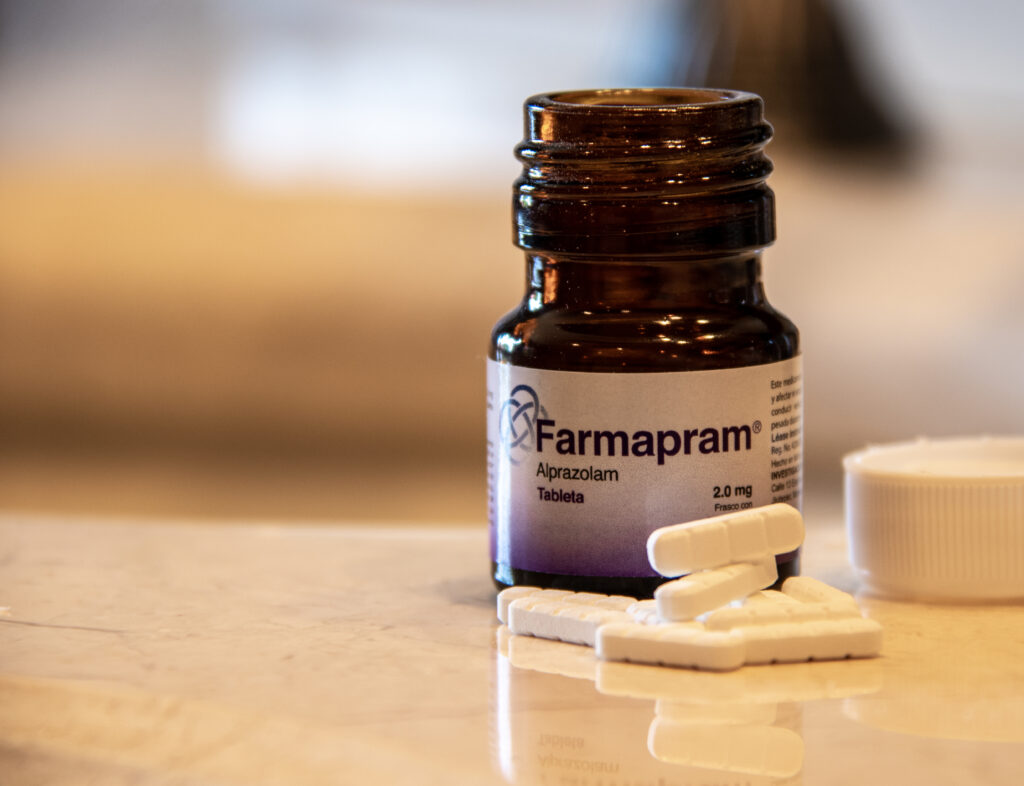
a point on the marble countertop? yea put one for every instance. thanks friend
(170, 653)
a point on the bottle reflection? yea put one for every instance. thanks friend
(562, 717)
(551, 726)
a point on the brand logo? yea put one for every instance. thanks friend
(517, 422)
(524, 428)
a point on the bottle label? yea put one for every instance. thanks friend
(583, 466)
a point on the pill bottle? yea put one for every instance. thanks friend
(644, 379)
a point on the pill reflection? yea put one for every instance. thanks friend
(551, 724)
(749, 685)
(750, 748)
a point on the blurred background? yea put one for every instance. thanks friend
(250, 252)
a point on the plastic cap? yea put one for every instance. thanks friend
(938, 519)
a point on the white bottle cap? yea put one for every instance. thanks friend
(938, 519)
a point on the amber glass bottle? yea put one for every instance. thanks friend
(644, 379)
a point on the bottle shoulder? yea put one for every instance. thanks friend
(645, 339)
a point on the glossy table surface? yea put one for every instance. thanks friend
(168, 653)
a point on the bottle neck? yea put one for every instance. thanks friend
(661, 171)
(653, 283)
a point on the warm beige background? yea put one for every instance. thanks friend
(203, 313)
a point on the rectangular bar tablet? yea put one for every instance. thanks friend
(823, 640)
(777, 612)
(561, 620)
(690, 596)
(506, 596)
(645, 612)
(509, 594)
(615, 602)
(686, 645)
(747, 536)
(768, 597)
(810, 590)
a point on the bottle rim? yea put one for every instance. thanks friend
(641, 99)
